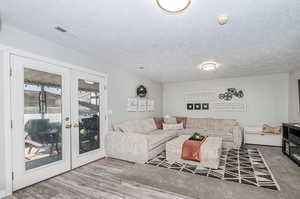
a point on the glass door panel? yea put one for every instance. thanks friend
(42, 118)
(89, 112)
(88, 116)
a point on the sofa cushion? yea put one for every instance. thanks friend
(229, 124)
(172, 126)
(196, 123)
(220, 124)
(181, 120)
(187, 131)
(218, 132)
(170, 120)
(123, 127)
(210, 123)
(136, 126)
(158, 137)
(148, 125)
(159, 122)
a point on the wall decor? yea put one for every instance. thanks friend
(229, 107)
(150, 105)
(141, 91)
(142, 105)
(190, 106)
(205, 106)
(197, 106)
(132, 104)
(203, 96)
(230, 93)
(215, 100)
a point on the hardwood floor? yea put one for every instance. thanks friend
(98, 180)
(95, 180)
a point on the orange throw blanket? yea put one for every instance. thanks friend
(191, 150)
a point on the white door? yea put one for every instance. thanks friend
(88, 117)
(40, 105)
(58, 119)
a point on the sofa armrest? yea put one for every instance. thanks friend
(127, 146)
(237, 133)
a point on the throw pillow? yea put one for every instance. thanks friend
(181, 120)
(158, 122)
(172, 126)
(268, 129)
(170, 120)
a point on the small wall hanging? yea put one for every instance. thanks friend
(141, 91)
(205, 106)
(197, 106)
(150, 105)
(230, 93)
(132, 104)
(190, 106)
(142, 105)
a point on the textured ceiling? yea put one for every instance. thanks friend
(262, 37)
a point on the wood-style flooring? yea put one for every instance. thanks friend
(95, 180)
(98, 180)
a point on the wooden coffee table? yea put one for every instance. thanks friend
(210, 151)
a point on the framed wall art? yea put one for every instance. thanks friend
(190, 106)
(132, 104)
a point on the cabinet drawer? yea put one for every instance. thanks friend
(263, 139)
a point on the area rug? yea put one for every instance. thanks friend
(245, 166)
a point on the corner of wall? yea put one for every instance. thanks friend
(294, 103)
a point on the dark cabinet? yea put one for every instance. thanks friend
(291, 141)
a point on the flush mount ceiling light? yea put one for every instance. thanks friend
(223, 19)
(89, 82)
(208, 66)
(173, 6)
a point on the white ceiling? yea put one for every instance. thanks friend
(262, 37)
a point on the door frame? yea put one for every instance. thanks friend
(7, 51)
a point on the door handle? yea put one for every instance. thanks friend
(76, 125)
(68, 126)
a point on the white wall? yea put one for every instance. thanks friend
(294, 114)
(266, 96)
(18, 39)
(121, 84)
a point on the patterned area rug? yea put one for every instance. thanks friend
(245, 166)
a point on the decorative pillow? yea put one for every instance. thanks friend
(172, 126)
(181, 120)
(268, 129)
(159, 122)
(170, 120)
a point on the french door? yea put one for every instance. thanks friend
(57, 119)
(87, 106)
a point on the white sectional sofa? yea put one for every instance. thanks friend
(141, 140)
(229, 130)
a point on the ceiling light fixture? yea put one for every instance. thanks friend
(208, 66)
(89, 82)
(173, 6)
(223, 19)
